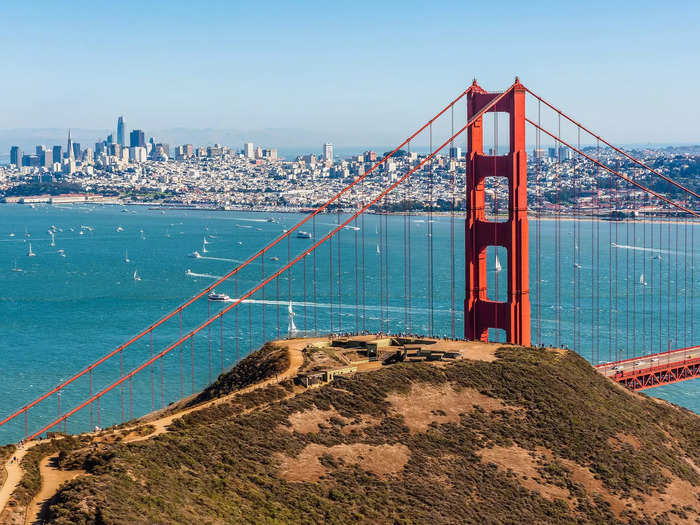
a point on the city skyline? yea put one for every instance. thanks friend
(287, 68)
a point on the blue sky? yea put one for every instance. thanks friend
(356, 72)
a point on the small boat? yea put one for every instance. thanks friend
(61, 252)
(378, 250)
(12, 235)
(143, 237)
(195, 255)
(218, 297)
(274, 259)
(240, 243)
(188, 272)
(16, 268)
(136, 275)
(31, 253)
(577, 265)
(270, 219)
(126, 256)
(642, 281)
(81, 232)
(303, 235)
(120, 229)
(53, 241)
(204, 248)
(205, 241)
(498, 266)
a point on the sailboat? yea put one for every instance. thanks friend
(143, 237)
(16, 268)
(31, 253)
(136, 275)
(126, 256)
(53, 243)
(204, 248)
(642, 281)
(378, 250)
(292, 326)
(498, 265)
(205, 240)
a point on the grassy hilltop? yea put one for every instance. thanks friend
(535, 436)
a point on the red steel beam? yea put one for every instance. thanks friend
(637, 377)
(648, 356)
(616, 173)
(621, 152)
(274, 275)
(234, 271)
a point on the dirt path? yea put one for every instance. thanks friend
(14, 475)
(51, 479)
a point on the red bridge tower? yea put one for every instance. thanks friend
(480, 312)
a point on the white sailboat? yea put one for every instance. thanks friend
(53, 241)
(641, 280)
(31, 253)
(143, 237)
(16, 268)
(292, 327)
(205, 241)
(204, 248)
(498, 265)
(136, 275)
(126, 256)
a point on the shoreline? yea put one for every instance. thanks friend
(532, 215)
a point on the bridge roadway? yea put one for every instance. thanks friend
(639, 373)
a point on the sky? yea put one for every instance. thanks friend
(353, 73)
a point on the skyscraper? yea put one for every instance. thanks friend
(16, 156)
(69, 147)
(137, 139)
(249, 150)
(120, 131)
(57, 153)
(328, 152)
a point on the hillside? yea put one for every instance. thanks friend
(523, 436)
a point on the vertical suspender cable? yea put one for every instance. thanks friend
(430, 238)
(453, 168)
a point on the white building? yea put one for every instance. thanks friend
(249, 150)
(328, 152)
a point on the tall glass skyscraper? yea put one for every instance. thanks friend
(120, 131)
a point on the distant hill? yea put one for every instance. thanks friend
(534, 436)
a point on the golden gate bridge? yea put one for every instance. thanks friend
(648, 358)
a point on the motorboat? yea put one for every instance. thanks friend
(303, 235)
(218, 297)
(195, 255)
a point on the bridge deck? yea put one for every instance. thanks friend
(652, 370)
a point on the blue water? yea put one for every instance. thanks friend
(59, 314)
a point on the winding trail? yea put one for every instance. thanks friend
(52, 477)
(14, 475)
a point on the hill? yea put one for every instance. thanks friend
(519, 435)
